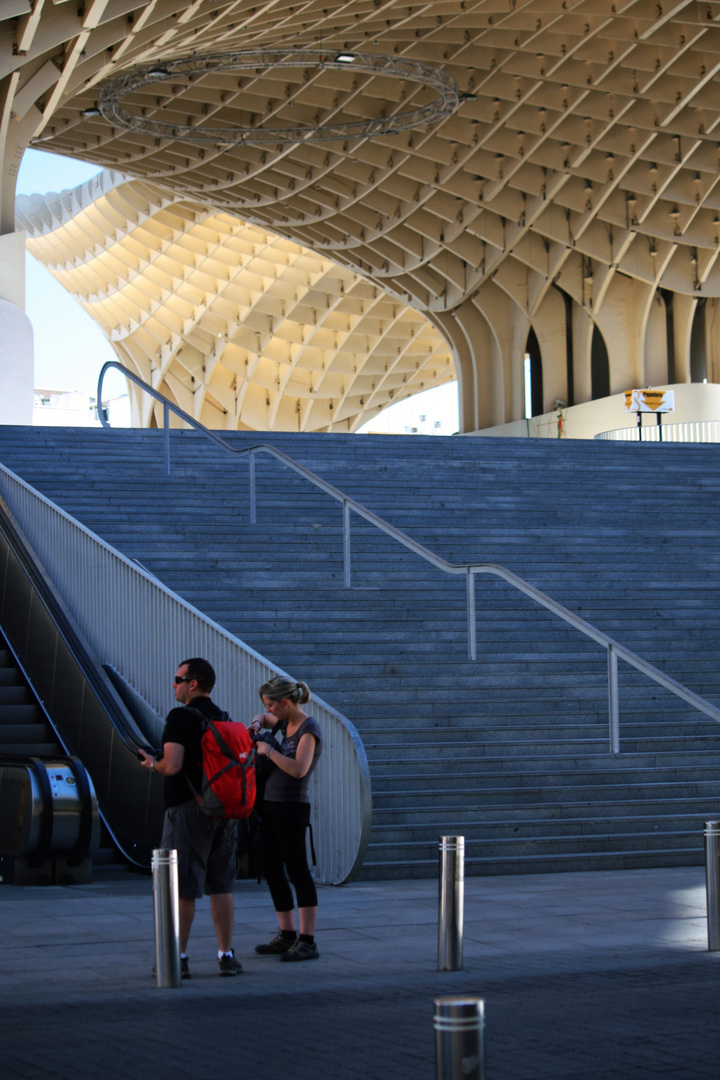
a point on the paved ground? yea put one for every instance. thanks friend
(585, 976)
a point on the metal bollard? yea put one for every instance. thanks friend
(712, 883)
(167, 917)
(459, 1038)
(451, 901)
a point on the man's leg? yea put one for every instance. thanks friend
(221, 906)
(177, 834)
(186, 911)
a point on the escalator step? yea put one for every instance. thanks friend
(36, 732)
(25, 713)
(15, 695)
(38, 750)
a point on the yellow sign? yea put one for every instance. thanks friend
(653, 401)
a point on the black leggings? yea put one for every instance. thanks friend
(282, 848)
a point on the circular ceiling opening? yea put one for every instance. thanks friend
(284, 97)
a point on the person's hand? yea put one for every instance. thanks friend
(146, 760)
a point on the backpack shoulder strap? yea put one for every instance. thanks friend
(200, 715)
(221, 716)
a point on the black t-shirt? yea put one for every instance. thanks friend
(183, 726)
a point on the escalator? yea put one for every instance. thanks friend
(24, 727)
(68, 735)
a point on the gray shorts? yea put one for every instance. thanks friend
(206, 850)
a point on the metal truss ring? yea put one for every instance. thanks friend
(426, 75)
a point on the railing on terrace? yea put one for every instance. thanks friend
(138, 626)
(615, 651)
(696, 431)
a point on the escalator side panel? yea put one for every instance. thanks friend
(88, 721)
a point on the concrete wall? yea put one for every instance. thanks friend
(693, 402)
(16, 334)
(16, 365)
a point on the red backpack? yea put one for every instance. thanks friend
(228, 762)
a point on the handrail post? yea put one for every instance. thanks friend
(166, 426)
(251, 483)
(346, 544)
(472, 632)
(613, 703)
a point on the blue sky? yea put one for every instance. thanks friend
(70, 348)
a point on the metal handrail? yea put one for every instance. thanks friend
(614, 649)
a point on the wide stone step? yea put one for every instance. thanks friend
(690, 838)
(417, 741)
(535, 863)
(473, 761)
(548, 828)
(600, 792)
(446, 819)
(499, 773)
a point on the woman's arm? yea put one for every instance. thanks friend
(262, 720)
(297, 766)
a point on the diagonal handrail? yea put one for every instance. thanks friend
(615, 651)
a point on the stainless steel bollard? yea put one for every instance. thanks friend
(451, 903)
(167, 917)
(459, 1038)
(712, 883)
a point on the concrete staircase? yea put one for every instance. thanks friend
(510, 751)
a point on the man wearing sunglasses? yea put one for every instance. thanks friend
(205, 845)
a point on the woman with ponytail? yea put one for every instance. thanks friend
(286, 815)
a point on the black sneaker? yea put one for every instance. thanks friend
(301, 950)
(229, 965)
(277, 946)
(184, 968)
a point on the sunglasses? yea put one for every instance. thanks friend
(182, 678)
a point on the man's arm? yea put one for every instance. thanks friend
(169, 764)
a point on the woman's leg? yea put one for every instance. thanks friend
(307, 917)
(295, 819)
(271, 859)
